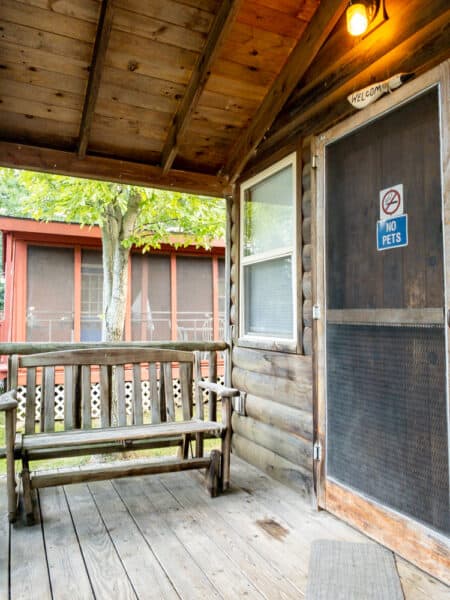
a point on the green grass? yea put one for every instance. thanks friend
(69, 462)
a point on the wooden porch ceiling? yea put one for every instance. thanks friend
(184, 93)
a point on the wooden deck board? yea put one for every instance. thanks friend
(129, 543)
(66, 566)
(163, 537)
(106, 571)
(188, 579)
(29, 576)
(226, 576)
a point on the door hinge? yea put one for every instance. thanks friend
(316, 312)
(317, 451)
(314, 161)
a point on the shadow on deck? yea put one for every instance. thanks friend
(160, 537)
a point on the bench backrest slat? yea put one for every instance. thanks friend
(70, 387)
(86, 409)
(119, 385)
(186, 390)
(168, 391)
(198, 391)
(136, 405)
(105, 395)
(30, 402)
(154, 393)
(48, 399)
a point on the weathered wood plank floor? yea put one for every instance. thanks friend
(160, 537)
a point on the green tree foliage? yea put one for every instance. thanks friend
(127, 216)
(12, 193)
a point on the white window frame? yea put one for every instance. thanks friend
(253, 339)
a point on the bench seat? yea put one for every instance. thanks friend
(66, 439)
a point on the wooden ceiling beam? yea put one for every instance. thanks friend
(60, 162)
(98, 58)
(301, 57)
(200, 75)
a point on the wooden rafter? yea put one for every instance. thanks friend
(59, 162)
(299, 60)
(98, 58)
(200, 75)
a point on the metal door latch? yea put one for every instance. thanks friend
(317, 451)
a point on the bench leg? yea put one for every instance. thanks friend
(27, 495)
(213, 474)
(184, 448)
(226, 443)
(10, 465)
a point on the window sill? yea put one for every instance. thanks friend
(288, 346)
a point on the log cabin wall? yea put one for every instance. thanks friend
(276, 433)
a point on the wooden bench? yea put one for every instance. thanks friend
(116, 430)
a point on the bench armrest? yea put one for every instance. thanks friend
(219, 389)
(8, 400)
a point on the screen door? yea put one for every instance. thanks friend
(387, 422)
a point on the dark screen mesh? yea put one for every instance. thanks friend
(387, 432)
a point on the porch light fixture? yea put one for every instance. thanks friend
(361, 14)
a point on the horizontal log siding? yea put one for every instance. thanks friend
(277, 432)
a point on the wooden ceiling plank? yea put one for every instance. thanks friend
(271, 19)
(28, 37)
(47, 20)
(295, 67)
(22, 73)
(170, 11)
(30, 109)
(36, 93)
(138, 54)
(43, 59)
(36, 130)
(60, 162)
(219, 29)
(98, 59)
(85, 10)
(159, 31)
(144, 84)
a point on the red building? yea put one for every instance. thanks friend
(174, 294)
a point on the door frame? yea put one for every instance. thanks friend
(419, 544)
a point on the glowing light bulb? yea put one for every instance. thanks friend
(357, 19)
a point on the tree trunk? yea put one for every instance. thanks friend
(116, 228)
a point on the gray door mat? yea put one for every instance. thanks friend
(352, 571)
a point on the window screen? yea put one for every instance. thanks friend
(268, 301)
(194, 299)
(50, 286)
(150, 288)
(91, 295)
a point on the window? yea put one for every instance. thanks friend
(268, 234)
(50, 306)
